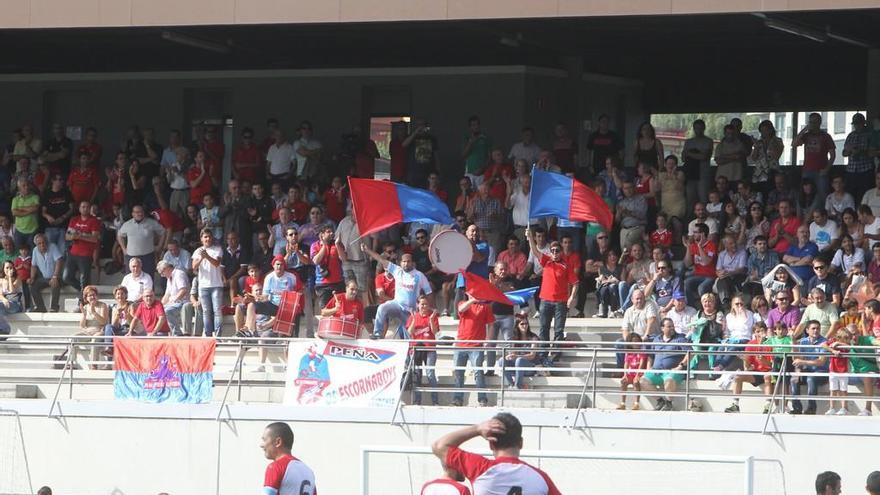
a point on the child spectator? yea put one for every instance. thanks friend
(424, 325)
(838, 367)
(254, 276)
(850, 316)
(634, 365)
(662, 236)
(714, 207)
(781, 342)
(209, 216)
(22, 266)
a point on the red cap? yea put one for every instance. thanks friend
(281, 259)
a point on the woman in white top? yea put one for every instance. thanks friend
(845, 260)
(206, 263)
(95, 316)
(848, 255)
(739, 330)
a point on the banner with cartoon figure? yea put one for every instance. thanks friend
(345, 372)
(164, 369)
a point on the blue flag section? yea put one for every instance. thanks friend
(521, 296)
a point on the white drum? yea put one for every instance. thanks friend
(450, 252)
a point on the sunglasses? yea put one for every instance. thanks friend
(663, 267)
(819, 267)
(555, 250)
(291, 234)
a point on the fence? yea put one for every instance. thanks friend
(588, 362)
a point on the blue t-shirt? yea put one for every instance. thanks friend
(274, 285)
(479, 268)
(668, 355)
(809, 249)
(407, 285)
(816, 350)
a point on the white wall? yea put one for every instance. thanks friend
(127, 448)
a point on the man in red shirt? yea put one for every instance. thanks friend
(783, 230)
(85, 232)
(334, 200)
(473, 324)
(247, 163)
(299, 209)
(328, 266)
(819, 152)
(558, 288)
(92, 148)
(346, 305)
(214, 151)
(497, 175)
(83, 180)
(701, 255)
(505, 474)
(151, 315)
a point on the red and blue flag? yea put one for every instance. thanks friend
(164, 369)
(557, 195)
(379, 204)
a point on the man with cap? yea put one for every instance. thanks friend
(860, 164)
(274, 285)
(681, 314)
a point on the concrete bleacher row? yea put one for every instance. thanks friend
(28, 370)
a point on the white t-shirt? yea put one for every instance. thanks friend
(280, 158)
(209, 275)
(740, 327)
(136, 285)
(872, 229)
(308, 144)
(872, 199)
(823, 236)
(682, 319)
(178, 281)
(527, 152)
(520, 203)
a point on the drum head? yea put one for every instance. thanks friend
(450, 251)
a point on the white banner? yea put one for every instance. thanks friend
(345, 372)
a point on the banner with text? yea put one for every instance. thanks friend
(345, 372)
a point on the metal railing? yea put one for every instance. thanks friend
(599, 361)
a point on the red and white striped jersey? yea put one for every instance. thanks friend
(500, 476)
(445, 486)
(289, 476)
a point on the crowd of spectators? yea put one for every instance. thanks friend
(719, 246)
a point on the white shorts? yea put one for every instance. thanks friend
(838, 383)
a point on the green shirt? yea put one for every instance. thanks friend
(826, 317)
(779, 341)
(4, 256)
(27, 224)
(475, 162)
(866, 364)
